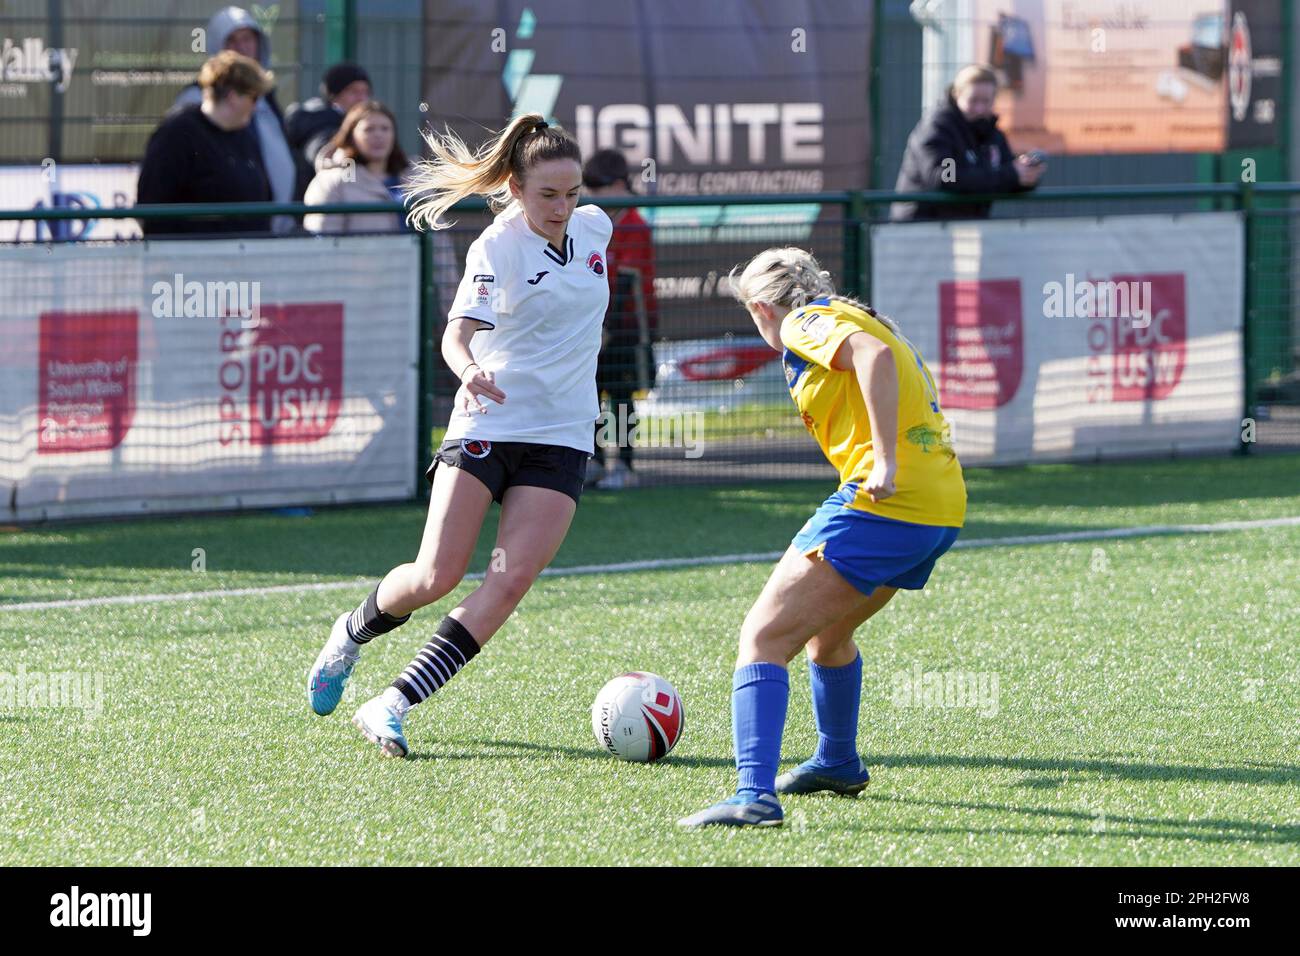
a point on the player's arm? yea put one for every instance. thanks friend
(474, 380)
(475, 308)
(872, 362)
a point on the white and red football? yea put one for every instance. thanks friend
(638, 716)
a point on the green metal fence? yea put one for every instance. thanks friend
(751, 430)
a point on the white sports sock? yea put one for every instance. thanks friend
(340, 643)
(396, 701)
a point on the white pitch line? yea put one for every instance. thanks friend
(1139, 532)
(654, 564)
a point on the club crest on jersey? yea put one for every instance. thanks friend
(476, 448)
(484, 291)
(595, 263)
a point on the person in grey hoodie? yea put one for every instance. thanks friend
(234, 28)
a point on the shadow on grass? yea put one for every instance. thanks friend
(1252, 773)
(1102, 824)
(522, 750)
(1090, 823)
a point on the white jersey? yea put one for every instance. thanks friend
(546, 307)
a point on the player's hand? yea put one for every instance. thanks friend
(880, 483)
(478, 383)
(1028, 171)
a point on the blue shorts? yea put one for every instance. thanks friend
(869, 550)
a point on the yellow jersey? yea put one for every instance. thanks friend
(929, 483)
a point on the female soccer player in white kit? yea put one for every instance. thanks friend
(522, 335)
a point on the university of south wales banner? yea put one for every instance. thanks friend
(164, 376)
(1074, 338)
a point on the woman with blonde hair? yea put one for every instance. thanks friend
(957, 148)
(522, 334)
(866, 396)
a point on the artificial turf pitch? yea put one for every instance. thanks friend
(1137, 702)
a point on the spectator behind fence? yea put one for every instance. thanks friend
(626, 363)
(209, 153)
(362, 163)
(958, 148)
(233, 28)
(311, 125)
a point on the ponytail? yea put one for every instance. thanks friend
(454, 171)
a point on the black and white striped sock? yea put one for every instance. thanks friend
(438, 661)
(368, 622)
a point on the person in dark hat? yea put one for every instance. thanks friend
(626, 362)
(311, 125)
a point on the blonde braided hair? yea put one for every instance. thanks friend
(790, 277)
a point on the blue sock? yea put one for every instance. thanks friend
(760, 694)
(836, 696)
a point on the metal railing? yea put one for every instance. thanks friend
(1270, 294)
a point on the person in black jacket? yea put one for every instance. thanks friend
(209, 153)
(958, 148)
(234, 28)
(311, 125)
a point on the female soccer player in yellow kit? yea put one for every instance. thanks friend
(866, 396)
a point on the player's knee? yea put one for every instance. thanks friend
(437, 582)
(509, 587)
(761, 635)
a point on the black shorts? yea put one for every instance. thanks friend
(503, 464)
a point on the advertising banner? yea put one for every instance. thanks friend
(89, 80)
(67, 186)
(726, 97)
(1118, 336)
(1148, 76)
(175, 375)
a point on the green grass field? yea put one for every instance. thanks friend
(1147, 689)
